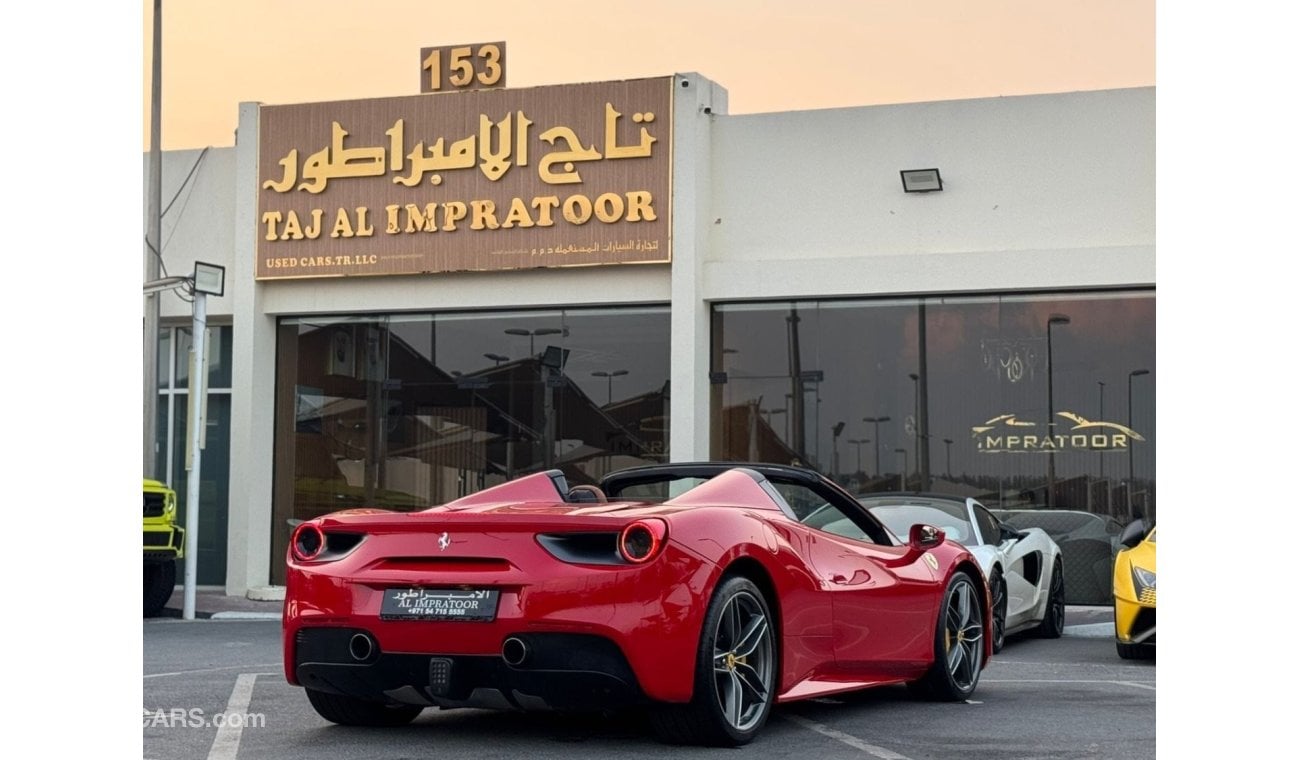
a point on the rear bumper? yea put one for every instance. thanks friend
(559, 672)
(649, 616)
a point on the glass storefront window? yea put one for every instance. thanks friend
(1024, 402)
(407, 411)
(218, 349)
(173, 410)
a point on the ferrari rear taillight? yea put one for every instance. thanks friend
(642, 540)
(310, 543)
(307, 543)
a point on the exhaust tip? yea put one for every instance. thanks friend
(361, 647)
(514, 651)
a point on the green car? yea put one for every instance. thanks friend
(164, 543)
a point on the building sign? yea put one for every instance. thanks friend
(490, 179)
(463, 67)
(1006, 433)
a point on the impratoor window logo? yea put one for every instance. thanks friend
(1008, 434)
(196, 717)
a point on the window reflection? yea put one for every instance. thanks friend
(406, 411)
(172, 443)
(219, 352)
(1022, 402)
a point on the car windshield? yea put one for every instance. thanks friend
(900, 518)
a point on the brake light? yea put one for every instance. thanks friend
(642, 540)
(307, 543)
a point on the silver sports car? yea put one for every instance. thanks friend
(1023, 567)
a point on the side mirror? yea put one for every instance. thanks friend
(1132, 535)
(921, 537)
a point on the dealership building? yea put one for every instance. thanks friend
(428, 295)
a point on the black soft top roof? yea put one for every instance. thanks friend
(617, 481)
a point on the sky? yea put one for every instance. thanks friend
(770, 55)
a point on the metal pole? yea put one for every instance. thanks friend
(796, 413)
(923, 403)
(1128, 492)
(152, 255)
(875, 421)
(1055, 319)
(1101, 454)
(548, 412)
(1051, 453)
(875, 434)
(1101, 415)
(916, 417)
(194, 435)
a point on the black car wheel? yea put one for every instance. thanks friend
(958, 643)
(998, 589)
(159, 582)
(735, 672)
(350, 711)
(1053, 624)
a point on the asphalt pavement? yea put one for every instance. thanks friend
(1071, 697)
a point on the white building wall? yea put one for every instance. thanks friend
(1041, 191)
(698, 105)
(199, 226)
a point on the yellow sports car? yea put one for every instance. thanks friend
(1135, 593)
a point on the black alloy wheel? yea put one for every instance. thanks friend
(958, 644)
(735, 672)
(1053, 624)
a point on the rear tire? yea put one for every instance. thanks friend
(735, 672)
(159, 582)
(1053, 624)
(958, 644)
(350, 711)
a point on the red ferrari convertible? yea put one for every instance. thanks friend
(707, 592)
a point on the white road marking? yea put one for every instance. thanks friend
(214, 670)
(226, 745)
(1151, 686)
(1091, 630)
(1135, 684)
(239, 615)
(1001, 660)
(849, 739)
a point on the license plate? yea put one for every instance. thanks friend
(439, 604)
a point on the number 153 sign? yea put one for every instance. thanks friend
(453, 68)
